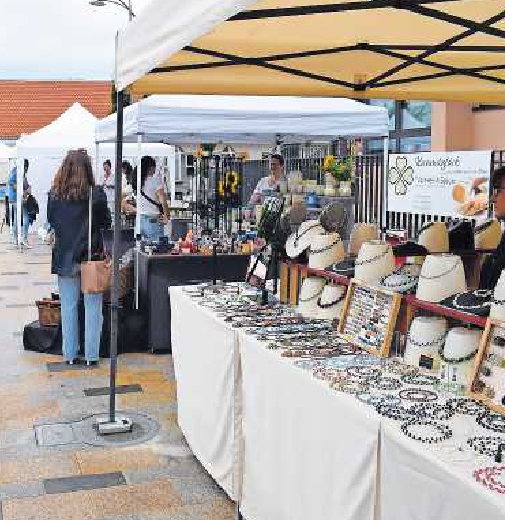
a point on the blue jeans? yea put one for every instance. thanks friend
(70, 292)
(25, 221)
(150, 228)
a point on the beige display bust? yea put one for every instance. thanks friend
(441, 276)
(311, 291)
(375, 261)
(434, 237)
(331, 302)
(426, 337)
(461, 346)
(326, 249)
(498, 304)
(488, 234)
(361, 233)
(301, 239)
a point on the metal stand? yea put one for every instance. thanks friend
(238, 514)
(115, 424)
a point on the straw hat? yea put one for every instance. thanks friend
(498, 302)
(334, 218)
(403, 280)
(426, 337)
(311, 291)
(375, 261)
(434, 237)
(461, 346)
(331, 302)
(361, 233)
(326, 249)
(488, 234)
(441, 276)
(299, 241)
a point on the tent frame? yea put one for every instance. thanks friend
(415, 6)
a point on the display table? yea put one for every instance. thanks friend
(309, 452)
(418, 484)
(205, 353)
(159, 272)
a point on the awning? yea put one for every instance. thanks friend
(394, 49)
(244, 120)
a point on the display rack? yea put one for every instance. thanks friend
(369, 317)
(496, 372)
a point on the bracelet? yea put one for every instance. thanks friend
(420, 379)
(465, 406)
(418, 395)
(485, 445)
(395, 412)
(442, 431)
(434, 411)
(492, 421)
(387, 384)
(488, 477)
(364, 372)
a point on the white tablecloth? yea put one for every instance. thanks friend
(206, 362)
(309, 453)
(418, 482)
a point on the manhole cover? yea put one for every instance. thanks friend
(54, 434)
(144, 429)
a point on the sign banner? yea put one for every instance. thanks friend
(454, 184)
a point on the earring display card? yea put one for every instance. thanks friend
(369, 317)
(488, 381)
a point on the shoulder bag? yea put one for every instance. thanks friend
(95, 274)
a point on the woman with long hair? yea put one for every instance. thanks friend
(68, 215)
(152, 206)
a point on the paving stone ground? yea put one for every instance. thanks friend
(159, 480)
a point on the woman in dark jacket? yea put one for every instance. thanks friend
(67, 213)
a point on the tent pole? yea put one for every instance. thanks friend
(116, 252)
(97, 158)
(385, 183)
(137, 218)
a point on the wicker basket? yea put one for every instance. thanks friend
(49, 312)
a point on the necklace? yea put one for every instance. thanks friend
(445, 273)
(421, 344)
(298, 236)
(484, 294)
(326, 248)
(304, 300)
(331, 304)
(374, 258)
(439, 432)
(454, 361)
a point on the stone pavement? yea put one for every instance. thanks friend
(158, 480)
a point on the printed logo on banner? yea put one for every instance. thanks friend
(454, 184)
(401, 175)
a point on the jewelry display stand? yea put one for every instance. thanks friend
(369, 317)
(488, 379)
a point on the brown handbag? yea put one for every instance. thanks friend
(95, 274)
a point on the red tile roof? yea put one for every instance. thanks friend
(26, 106)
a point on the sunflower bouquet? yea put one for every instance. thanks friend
(340, 169)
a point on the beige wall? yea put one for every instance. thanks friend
(455, 127)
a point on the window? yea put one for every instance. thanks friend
(409, 127)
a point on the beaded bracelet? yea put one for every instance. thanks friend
(396, 412)
(492, 421)
(420, 379)
(351, 387)
(485, 445)
(418, 395)
(435, 411)
(488, 477)
(443, 432)
(364, 372)
(465, 406)
(387, 384)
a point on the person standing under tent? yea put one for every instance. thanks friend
(107, 172)
(68, 216)
(270, 183)
(13, 183)
(152, 205)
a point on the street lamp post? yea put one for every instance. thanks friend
(120, 3)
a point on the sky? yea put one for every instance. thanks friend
(59, 39)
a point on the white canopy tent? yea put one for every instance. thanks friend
(180, 119)
(46, 148)
(7, 152)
